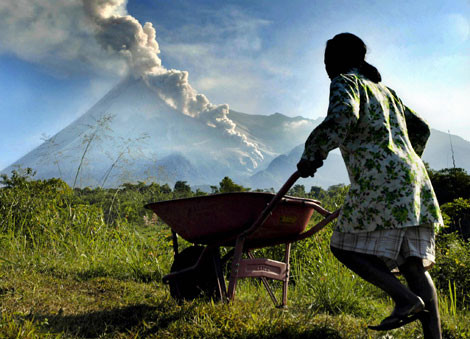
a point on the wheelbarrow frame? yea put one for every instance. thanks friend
(262, 268)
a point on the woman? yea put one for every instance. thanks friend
(390, 213)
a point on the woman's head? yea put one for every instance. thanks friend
(345, 52)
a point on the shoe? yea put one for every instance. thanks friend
(399, 319)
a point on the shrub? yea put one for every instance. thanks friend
(453, 266)
(458, 212)
(35, 207)
(450, 184)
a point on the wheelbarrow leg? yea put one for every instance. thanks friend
(266, 284)
(286, 279)
(237, 256)
(220, 276)
(174, 237)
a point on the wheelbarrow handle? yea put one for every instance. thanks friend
(273, 203)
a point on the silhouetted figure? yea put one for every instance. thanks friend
(390, 213)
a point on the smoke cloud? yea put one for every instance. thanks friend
(101, 35)
(121, 33)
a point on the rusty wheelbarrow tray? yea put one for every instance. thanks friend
(245, 221)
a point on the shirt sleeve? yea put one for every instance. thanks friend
(418, 130)
(343, 114)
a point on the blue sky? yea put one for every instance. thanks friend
(259, 56)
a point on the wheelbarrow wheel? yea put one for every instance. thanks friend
(202, 282)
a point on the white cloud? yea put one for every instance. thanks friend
(228, 27)
(55, 34)
(76, 35)
(445, 109)
(231, 78)
(431, 80)
(295, 124)
(458, 26)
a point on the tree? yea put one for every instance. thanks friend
(182, 189)
(317, 192)
(450, 184)
(297, 191)
(165, 189)
(459, 214)
(227, 185)
(18, 178)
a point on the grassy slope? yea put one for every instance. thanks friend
(106, 307)
(45, 294)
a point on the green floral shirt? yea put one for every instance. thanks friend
(381, 141)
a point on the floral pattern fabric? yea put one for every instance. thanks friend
(381, 141)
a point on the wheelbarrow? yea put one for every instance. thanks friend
(242, 221)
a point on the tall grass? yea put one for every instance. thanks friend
(119, 253)
(325, 285)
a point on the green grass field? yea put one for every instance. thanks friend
(70, 268)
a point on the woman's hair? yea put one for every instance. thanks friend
(346, 51)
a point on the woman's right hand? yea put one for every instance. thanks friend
(308, 168)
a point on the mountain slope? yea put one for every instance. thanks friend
(277, 132)
(332, 172)
(438, 152)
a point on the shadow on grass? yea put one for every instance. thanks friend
(292, 333)
(130, 319)
(101, 272)
(144, 321)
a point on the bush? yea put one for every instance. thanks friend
(227, 185)
(453, 266)
(450, 184)
(34, 207)
(458, 212)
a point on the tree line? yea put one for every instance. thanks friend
(452, 187)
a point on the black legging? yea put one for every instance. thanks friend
(373, 269)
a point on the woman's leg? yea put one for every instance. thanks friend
(420, 282)
(374, 270)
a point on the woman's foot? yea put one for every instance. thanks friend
(401, 316)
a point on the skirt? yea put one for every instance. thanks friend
(393, 246)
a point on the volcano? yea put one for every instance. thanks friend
(132, 134)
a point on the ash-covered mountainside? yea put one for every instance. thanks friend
(135, 133)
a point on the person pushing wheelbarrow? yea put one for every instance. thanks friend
(390, 214)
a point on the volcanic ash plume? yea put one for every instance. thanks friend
(119, 33)
(173, 87)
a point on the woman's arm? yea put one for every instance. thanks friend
(343, 113)
(418, 130)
